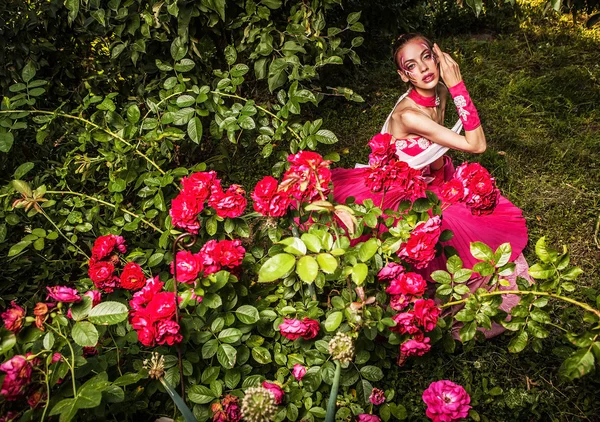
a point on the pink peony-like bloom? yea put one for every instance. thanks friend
(446, 401)
(63, 294)
(482, 195)
(312, 328)
(184, 211)
(132, 277)
(377, 396)
(95, 295)
(231, 405)
(405, 323)
(209, 257)
(383, 149)
(292, 328)
(420, 248)
(104, 246)
(189, 267)
(13, 317)
(399, 302)
(365, 417)
(390, 271)
(308, 175)
(426, 313)
(231, 203)
(410, 284)
(275, 389)
(453, 191)
(268, 200)
(167, 332)
(407, 182)
(231, 253)
(18, 376)
(200, 184)
(102, 274)
(417, 346)
(142, 297)
(298, 372)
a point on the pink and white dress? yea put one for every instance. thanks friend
(505, 224)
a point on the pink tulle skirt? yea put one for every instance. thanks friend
(505, 224)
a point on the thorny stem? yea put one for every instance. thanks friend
(100, 201)
(95, 126)
(47, 393)
(525, 293)
(118, 354)
(71, 364)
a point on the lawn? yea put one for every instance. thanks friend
(537, 91)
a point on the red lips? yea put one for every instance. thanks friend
(428, 78)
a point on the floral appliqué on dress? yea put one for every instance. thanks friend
(402, 144)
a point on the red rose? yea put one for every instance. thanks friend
(399, 302)
(209, 257)
(420, 248)
(268, 201)
(382, 149)
(415, 347)
(162, 305)
(312, 328)
(18, 376)
(188, 266)
(200, 184)
(231, 253)
(13, 317)
(390, 271)
(184, 212)
(104, 245)
(453, 191)
(167, 332)
(231, 203)
(101, 273)
(132, 277)
(411, 284)
(142, 297)
(405, 323)
(406, 181)
(143, 323)
(308, 175)
(426, 313)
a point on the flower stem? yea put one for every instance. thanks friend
(41, 211)
(525, 293)
(47, 393)
(108, 204)
(71, 364)
(330, 417)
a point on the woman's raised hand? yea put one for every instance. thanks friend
(449, 69)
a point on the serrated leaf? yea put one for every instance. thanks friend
(226, 355)
(276, 267)
(580, 363)
(307, 269)
(327, 262)
(108, 313)
(333, 321)
(84, 333)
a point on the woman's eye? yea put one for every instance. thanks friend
(410, 66)
(427, 56)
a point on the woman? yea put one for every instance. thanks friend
(421, 140)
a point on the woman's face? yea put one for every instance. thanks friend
(418, 64)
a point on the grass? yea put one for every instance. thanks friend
(537, 91)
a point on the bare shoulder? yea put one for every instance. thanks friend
(406, 116)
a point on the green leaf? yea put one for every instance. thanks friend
(155, 259)
(353, 17)
(108, 313)
(178, 48)
(454, 264)
(541, 271)
(294, 246)
(261, 355)
(210, 348)
(327, 262)
(200, 394)
(247, 314)
(276, 267)
(23, 169)
(230, 54)
(81, 310)
(7, 340)
(482, 251)
(502, 254)
(544, 253)
(518, 343)
(484, 268)
(84, 333)
(66, 408)
(307, 269)
(372, 373)
(580, 363)
(359, 273)
(368, 249)
(312, 242)
(28, 71)
(6, 141)
(333, 321)
(226, 355)
(467, 331)
(325, 136)
(230, 335)
(194, 130)
(572, 273)
(441, 276)
(18, 247)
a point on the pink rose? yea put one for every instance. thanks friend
(162, 305)
(18, 375)
(399, 302)
(405, 323)
(417, 346)
(184, 212)
(383, 149)
(132, 277)
(453, 191)
(231, 406)
(275, 389)
(268, 200)
(189, 266)
(308, 175)
(390, 271)
(101, 273)
(209, 257)
(231, 203)
(200, 184)
(13, 317)
(410, 284)
(419, 250)
(365, 417)
(377, 396)
(142, 297)
(446, 401)
(312, 328)
(298, 372)
(167, 332)
(142, 322)
(292, 328)
(63, 294)
(104, 246)
(56, 357)
(426, 313)
(95, 295)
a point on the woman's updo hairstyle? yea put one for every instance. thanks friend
(401, 42)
